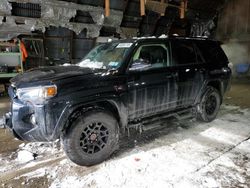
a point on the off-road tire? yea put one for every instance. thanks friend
(95, 124)
(209, 105)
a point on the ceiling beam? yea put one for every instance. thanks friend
(107, 8)
(142, 7)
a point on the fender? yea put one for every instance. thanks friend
(209, 83)
(71, 107)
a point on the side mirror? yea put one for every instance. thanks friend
(140, 64)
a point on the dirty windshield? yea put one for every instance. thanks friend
(106, 56)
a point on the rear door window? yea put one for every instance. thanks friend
(200, 58)
(183, 53)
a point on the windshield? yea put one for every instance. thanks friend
(106, 56)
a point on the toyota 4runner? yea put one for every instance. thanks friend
(118, 86)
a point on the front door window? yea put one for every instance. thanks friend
(150, 57)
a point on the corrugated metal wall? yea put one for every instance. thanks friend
(234, 21)
(234, 30)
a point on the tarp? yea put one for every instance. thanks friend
(202, 28)
(56, 13)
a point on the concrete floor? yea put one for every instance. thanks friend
(195, 155)
(6, 139)
(239, 94)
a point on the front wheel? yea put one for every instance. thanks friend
(91, 138)
(209, 105)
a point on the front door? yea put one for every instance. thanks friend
(152, 87)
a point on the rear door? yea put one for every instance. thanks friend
(151, 89)
(190, 71)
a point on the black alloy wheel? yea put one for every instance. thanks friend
(209, 105)
(94, 137)
(91, 138)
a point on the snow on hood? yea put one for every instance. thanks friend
(91, 64)
(87, 63)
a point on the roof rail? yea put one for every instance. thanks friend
(164, 36)
(193, 38)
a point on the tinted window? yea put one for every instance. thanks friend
(183, 52)
(200, 58)
(211, 51)
(155, 55)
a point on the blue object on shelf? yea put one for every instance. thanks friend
(242, 68)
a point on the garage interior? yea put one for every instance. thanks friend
(184, 154)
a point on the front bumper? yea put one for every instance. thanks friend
(19, 122)
(19, 119)
(31, 122)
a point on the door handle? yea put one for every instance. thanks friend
(131, 82)
(172, 75)
(169, 76)
(202, 70)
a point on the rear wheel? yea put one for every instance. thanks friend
(91, 138)
(209, 105)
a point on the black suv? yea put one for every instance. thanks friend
(118, 86)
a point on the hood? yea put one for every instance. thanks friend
(51, 74)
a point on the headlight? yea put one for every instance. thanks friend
(36, 94)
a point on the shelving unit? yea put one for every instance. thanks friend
(11, 56)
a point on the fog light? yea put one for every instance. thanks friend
(33, 119)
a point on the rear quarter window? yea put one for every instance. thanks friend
(212, 52)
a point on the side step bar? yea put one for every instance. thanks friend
(155, 122)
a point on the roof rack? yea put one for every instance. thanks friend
(193, 38)
(163, 36)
